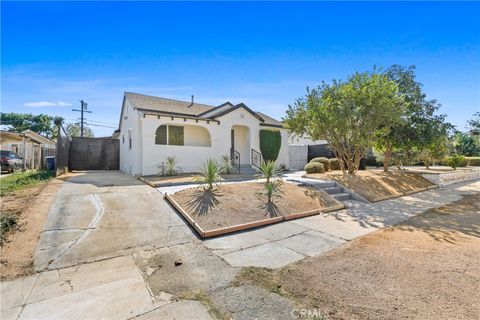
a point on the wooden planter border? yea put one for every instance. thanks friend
(244, 226)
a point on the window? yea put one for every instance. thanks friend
(161, 135)
(123, 139)
(174, 135)
(130, 142)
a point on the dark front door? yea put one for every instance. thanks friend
(232, 135)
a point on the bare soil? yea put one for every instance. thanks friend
(234, 204)
(425, 268)
(31, 205)
(377, 185)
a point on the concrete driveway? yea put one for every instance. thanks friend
(99, 215)
(110, 246)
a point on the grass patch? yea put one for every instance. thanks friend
(261, 277)
(8, 222)
(205, 299)
(21, 180)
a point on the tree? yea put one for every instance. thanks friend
(18, 122)
(73, 130)
(465, 144)
(349, 115)
(419, 127)
(474, 124)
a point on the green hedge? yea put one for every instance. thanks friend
(473, 161)
(270, 143)
(314, 167)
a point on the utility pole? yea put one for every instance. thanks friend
(83, 109)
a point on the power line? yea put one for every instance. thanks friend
(83, 109)
(98, 125)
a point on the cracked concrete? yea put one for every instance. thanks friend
(109, 245)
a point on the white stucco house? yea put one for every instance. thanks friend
(153, 128)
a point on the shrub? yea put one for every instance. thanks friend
(473, 161)
(323, 161)
(334, 164)
(227, 167)
(270, 142)
(210, 174)
(315, 167)
(169, 167)
(456, 161)
(7, 223)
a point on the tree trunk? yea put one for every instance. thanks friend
(386, 157)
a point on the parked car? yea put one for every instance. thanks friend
(10, 161)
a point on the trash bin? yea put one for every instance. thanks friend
(50, 163)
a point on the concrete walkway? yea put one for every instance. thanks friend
(109, 246)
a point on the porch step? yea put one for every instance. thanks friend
(341, 196)
(332, 190)
(247, 169)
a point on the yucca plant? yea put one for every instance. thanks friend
(268, 171)
(210, 174)
(227, 167)
(271, 173)
(170, 165)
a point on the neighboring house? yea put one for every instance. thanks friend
(29, 145)
(153, 128)
(295, 139)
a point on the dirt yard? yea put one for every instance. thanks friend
(186, 178)
(425, 268)
(31, 206)
(375, 185)
(234, 204)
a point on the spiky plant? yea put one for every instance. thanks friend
(268, 171)
(227, 167)
(171, 165)
(271, 173)
(210, 174)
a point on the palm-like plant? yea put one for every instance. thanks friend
(268, 171)
(170, 165)
(227, 167)
(210, 174)
(271, 173)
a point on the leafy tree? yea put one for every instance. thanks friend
(474, 124)
(419, 127)
(18, 122)
(74, 130)
(349, 115)
(465, 144)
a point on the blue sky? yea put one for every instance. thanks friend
(262, 54)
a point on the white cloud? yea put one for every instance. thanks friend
(47, 104)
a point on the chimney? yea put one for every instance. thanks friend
(192, 100)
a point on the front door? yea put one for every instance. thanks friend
(232, 135)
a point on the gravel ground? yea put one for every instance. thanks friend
(425, 268)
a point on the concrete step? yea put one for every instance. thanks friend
(323, 184)
(332, 190)
(247, 169)
(342, 196)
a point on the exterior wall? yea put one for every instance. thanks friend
(295, 139)
(196, 136)
(130, 161)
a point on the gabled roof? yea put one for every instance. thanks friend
(141, 101)
(188, 109)
(35, 137)
(38, 138)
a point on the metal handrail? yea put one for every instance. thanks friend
(234, 155)
(256, 159)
